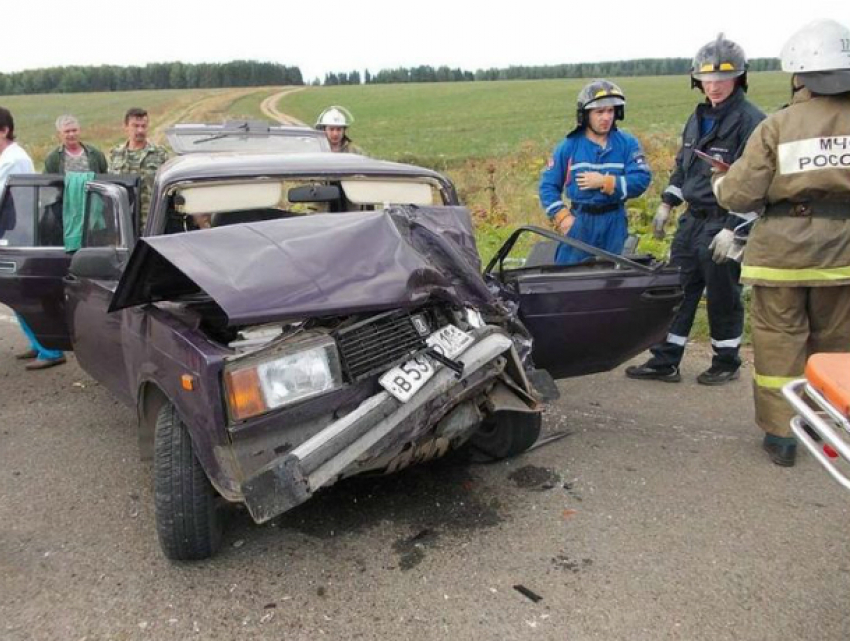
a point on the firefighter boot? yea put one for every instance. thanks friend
(781, 449)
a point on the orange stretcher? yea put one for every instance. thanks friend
(822, 403)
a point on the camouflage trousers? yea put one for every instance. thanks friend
(789, 324)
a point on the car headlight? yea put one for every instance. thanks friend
(305, 370)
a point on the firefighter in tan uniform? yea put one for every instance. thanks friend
(796, 168)
(335, 121)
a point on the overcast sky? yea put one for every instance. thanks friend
(327, 35)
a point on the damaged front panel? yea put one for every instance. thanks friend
(313, 266)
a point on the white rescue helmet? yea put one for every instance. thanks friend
(819, 54)
(335, 116)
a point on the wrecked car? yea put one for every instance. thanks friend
(284, 321)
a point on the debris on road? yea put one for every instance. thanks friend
(532, 596)
(557, 436)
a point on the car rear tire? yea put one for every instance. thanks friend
(187, 521)
(505, 434)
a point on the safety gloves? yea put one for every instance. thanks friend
(660, 220)
(563, 221)
(725, 246)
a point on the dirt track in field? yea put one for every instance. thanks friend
(269, 107)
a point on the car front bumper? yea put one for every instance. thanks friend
(292, 478)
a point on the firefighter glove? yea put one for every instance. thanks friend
(660, 220)
(724, 247)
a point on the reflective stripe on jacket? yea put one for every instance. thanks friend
(734, 122)
(796, 155)
(577, 154)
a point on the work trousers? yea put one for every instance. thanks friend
(700, 274)
(789, 324)
(607, 231)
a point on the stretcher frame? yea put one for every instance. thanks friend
(829, 423)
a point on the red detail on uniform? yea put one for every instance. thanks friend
(829, 451)
(569, 168)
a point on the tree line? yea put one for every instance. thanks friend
(638, 67)
(250, 73)
(161, 75)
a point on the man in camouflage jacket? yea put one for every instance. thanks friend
(138, 155)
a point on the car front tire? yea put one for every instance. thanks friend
(505, 434)
(187, 521)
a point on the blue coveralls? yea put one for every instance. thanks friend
(600, 218)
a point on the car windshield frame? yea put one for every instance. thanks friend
(245, 137)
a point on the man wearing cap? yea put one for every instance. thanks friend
(598, 167)
(796, 167)
(719, 127)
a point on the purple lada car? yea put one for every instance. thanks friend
(284, 320)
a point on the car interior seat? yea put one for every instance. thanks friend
(224, 218)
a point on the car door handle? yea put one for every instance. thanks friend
(8, 267)
(660, 294)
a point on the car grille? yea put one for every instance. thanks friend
(371, 346)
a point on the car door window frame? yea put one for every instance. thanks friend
(120, 201)
(37, 183)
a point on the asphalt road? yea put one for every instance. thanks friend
(658, 517)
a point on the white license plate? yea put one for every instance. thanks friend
(407, 379)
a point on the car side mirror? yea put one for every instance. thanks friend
(99, 263)
(314, 194)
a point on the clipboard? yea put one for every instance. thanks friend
(719, 165)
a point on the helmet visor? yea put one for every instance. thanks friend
(610, 101)
(722, 71)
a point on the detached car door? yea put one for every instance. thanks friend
(33, 260)
(589, 317)
(107, 238)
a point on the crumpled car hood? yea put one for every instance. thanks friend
(318, 265)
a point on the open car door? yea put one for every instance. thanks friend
(108, 235)
(33, 260)
(588, 317)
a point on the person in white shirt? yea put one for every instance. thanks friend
(14, 160)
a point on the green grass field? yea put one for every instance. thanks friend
(444, 123)
(101, 114)
(491, 138)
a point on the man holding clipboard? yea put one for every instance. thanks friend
(714, 136)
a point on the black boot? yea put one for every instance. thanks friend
(668, 373)
(782, 450)
(717, 376)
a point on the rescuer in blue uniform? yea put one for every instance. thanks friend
(599, 167)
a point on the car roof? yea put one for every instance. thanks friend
(234, 165)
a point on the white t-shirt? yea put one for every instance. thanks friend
(14, 160)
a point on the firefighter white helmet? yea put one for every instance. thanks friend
(334, 117)
(819, 54)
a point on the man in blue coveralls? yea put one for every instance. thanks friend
(599, 167)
